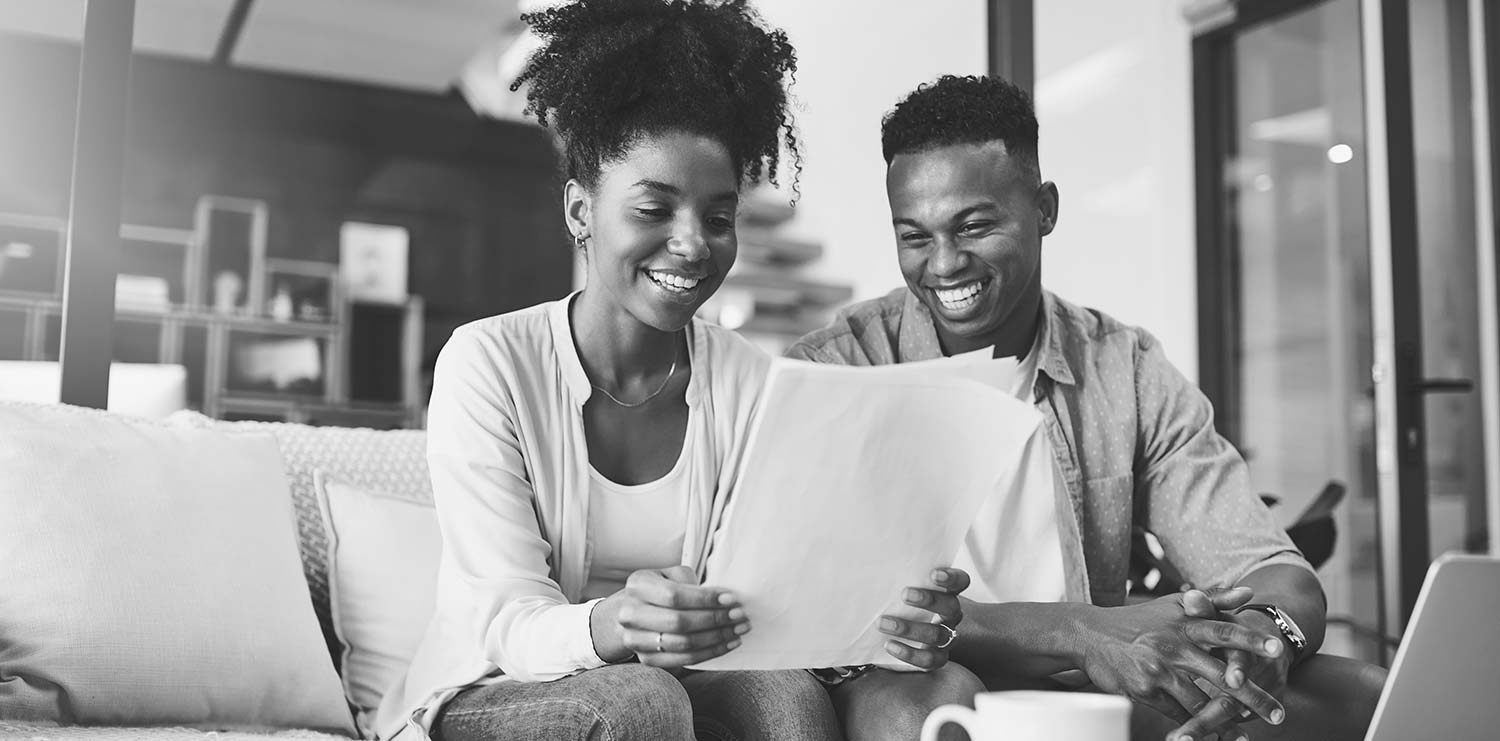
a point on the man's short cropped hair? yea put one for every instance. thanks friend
(954, 109)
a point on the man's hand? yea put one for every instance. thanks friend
(1154, 652)
(932, 639)
(666, 619)
(1241, 667)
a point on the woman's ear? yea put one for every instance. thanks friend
(577, 207)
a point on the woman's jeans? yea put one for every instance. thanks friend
(634, 701)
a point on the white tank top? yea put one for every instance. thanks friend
(635, 527)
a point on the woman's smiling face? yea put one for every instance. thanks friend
(661, 227)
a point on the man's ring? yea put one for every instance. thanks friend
(659, 649)
(948, 639)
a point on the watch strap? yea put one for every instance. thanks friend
(1284, 623)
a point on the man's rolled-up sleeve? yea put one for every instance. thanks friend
(1194, 490)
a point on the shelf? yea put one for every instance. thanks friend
(378, 416)
(316, 385)
(48, 305)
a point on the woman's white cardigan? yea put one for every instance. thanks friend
(510, 475)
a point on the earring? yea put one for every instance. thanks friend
(581, 240)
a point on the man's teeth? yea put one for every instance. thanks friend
(674, 281)
(955, 298)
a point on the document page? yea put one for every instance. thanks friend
(855, 484)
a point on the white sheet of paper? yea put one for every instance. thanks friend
(855, 484)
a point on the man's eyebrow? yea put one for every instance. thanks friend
(657, 185)
(960, 216)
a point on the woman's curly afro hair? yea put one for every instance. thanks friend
(961, 110)
(612, 71)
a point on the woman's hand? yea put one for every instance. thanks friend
(932, 639)
(666, 619)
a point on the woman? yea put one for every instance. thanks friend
(578, 448)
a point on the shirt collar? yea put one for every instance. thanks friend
(917, 338)
(567, 354)
(1053, 360)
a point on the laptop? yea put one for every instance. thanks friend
(1445, 682)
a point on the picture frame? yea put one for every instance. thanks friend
(232, 235)
(304, 291)
(373, 260)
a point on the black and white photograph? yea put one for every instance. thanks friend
(789, 370)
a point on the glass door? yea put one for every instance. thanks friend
(1451, 348)
(1342, 285)
(1449, 279)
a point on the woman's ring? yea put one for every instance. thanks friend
(659, 649)
(948, 639)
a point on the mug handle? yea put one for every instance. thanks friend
(945, 714)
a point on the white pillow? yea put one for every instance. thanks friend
(382, 581)
(149, 576)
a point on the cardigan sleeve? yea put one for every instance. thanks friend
(495, 577)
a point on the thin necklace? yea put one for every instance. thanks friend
(663, 387)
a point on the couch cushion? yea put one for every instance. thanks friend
(383, 559)
(33, 732)
(389, 461)
(147, 577)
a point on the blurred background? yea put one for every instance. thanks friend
(1295, 196)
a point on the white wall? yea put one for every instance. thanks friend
(1114, 99)
(856, 58)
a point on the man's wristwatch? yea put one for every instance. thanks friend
(1285, 624)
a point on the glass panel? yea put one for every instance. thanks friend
(1296, 190)
(1443, 125)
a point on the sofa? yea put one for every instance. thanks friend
(197, 578)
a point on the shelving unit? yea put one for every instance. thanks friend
(230, 353)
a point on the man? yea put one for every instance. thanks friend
(1133, 441)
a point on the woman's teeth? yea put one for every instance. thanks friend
(959, 298)
(672, 281)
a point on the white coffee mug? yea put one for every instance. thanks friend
(1034, 714)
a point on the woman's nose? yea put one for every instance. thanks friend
(687, 241)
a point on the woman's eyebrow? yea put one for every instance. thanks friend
(668, 188)
(657, 185)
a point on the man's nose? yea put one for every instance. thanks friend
(947, 259)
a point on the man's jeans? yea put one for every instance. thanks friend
(633, 701)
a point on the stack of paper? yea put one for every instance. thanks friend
(855, 484)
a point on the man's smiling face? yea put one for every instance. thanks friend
(969, 222)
